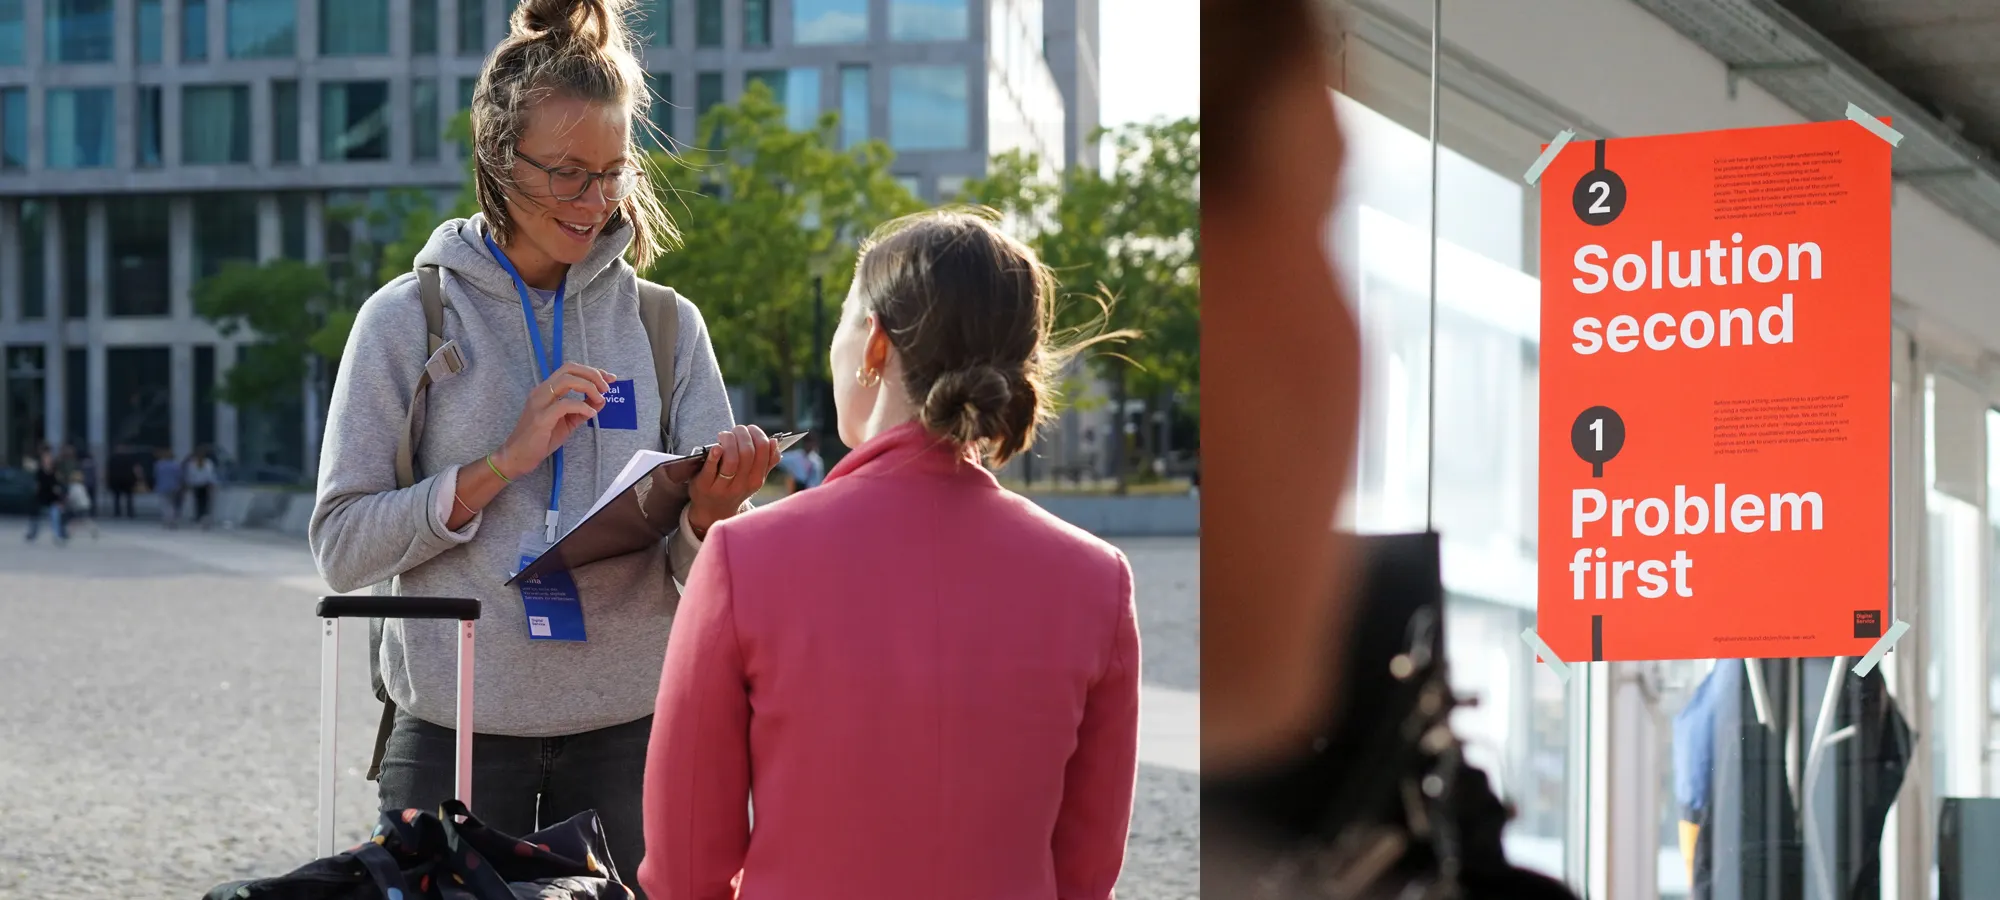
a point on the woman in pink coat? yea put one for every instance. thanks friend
(927, 686)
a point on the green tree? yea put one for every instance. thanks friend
(1130, 234)
(282, 305)
(776, 208)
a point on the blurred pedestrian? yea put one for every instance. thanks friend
(79, 505)
(803, 464)
(168, 486)
(49, 496)
(198, 473)
(122, 479)
(940, 667)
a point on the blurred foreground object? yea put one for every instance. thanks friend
(1280, 382)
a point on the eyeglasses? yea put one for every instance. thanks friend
(567, 183)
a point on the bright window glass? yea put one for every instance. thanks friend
(853, 105)
(797, 90)
(215, 124)
(928, 108)
(79, 31)
(81, 128)
(829, 21)
(261, 29)
(11, 25)
(356, 27)
(146, 14)
(928, 20)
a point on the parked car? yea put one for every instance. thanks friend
(17, 492)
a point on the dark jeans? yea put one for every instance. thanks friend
(121, 501)
(521, 784)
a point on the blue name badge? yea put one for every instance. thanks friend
(621, 407)
(555, 609)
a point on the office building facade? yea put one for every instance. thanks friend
(144, 144)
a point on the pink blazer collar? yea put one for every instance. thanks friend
(910, 448)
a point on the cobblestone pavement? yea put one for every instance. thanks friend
(160, 713)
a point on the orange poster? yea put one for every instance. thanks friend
(1715, 395)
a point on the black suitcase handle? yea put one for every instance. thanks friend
(462, 608)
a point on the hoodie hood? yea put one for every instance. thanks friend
(460, 245)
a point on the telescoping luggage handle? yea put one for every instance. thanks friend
(331, 610)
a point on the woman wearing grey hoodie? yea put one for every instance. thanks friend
(556, 393)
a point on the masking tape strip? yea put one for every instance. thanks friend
(1549, 155)
(1881, 647)
(1875, 125)
(1542, 650)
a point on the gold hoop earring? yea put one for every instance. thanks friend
(867, 378)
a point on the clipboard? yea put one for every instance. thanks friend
(642, 506)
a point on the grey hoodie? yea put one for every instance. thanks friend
(367, 532)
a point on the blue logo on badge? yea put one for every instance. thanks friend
(621, 407)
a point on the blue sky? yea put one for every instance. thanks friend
(1150, 64)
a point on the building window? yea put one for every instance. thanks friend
(140, 256)
(853, 105)
(472, 27)
(797, 90)
(423, 27)
(204, 395)
(928, 20)
(81, 128)
(829, 21)
(76, 258)
(76, 363)
(708, 23)
(756, 23)
(354, 27)
(146, 25)
(424, 119)
(707, 94)
(225, 231)
(261, 29)
(194, 30)
(78, 31)
(215, 124)
(660, 114)
(11, 26)
(34, 261)
(950, 186)
(928, 108)
(150, 124)
(911, 183)
(653, 21)
(292, 225)
(138, 399)
(285, 121)
(353, 121)
(13, 128)
(466, 86)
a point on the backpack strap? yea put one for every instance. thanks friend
(660, 312)
(431, 293)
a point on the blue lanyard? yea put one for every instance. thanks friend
(545, 362)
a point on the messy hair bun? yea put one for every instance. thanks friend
(982, 404)
(597, 24)
(968, 310)
(568, 48)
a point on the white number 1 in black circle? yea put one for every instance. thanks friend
(1597, 425)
